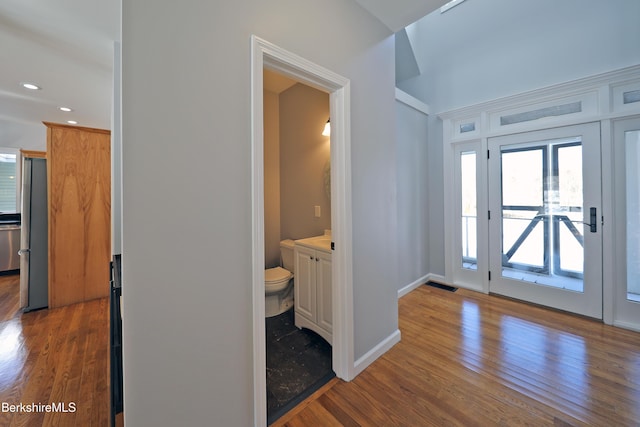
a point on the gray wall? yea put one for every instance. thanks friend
(483, 50)
(304, 154)
(187, 310)
(271, 179)
(413, 180)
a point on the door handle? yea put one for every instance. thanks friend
(23, 251)
(593, 220)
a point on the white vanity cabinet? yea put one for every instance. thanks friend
(312, 298)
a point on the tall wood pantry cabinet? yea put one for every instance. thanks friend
(79, 192)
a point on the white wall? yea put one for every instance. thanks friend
(413, 179)
(483, 50)
(188, 340)
(487, 49)
(23, 136)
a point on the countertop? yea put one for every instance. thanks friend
(320, 243)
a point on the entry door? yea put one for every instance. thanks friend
(545, 226)
(627, 214)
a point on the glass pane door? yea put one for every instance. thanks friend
(627, 242)
(543, 201)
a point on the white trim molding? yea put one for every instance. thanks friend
(603, 98)
(411, 101)
(267, 55)
(421, 281)
(413, 285)
(369, 357)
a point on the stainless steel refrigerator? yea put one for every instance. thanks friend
(34, 252)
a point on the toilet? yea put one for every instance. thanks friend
(278, 282)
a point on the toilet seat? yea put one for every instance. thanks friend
(276, 280)
(276, 275)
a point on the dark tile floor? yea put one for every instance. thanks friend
(298, 363)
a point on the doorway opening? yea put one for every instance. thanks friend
(297, 205)
(268, 56)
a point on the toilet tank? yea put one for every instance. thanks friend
(286, 254)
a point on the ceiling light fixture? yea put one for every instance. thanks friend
(72, 122)
(30, 86)
(65, 109)
(327, 129)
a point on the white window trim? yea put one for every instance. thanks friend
(602, 100)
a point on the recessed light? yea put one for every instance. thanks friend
(30, 86)
(65, 109)
(72, 122)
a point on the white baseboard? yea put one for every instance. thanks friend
(421, 281)
(402, 292)
(626, 325)
(377, 351)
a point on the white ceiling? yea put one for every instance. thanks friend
(276, 83)
(66, 47)
(397, 14)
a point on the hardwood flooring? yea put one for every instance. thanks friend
(468, 359)
(465, 359)
(9, 296)
(54, 356)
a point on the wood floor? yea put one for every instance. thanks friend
(57, 356)
(465, 359)
(468, 359)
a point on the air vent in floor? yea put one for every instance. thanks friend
(441, 286)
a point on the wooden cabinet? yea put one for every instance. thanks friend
(79, 194)
(312, 286)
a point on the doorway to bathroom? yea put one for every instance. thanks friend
(268, 56)
(297, 205)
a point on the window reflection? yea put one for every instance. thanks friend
(557, 357)
(12, 353)
(471, 330)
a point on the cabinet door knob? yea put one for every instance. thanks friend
(311, 257)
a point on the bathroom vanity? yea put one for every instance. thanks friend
(313, 309)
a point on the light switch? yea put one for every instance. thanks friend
(317, 211)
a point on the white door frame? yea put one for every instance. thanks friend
(268, 55)
(589, 301)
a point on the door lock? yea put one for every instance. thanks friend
(593, 220)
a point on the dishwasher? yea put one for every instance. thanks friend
(9, 244)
